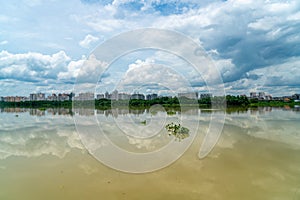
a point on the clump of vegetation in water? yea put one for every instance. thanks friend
(178, 131)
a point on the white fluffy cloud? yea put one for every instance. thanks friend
(32, 67)
(22, 74)
(148, 76)
(88, 40)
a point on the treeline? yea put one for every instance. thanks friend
(176, 102)
(229, 101)
(167, 102)
(37, 104)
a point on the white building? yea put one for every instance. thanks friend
(137, 96)
(261, 95)
(85, 96)
(151, 96)
(123, 96)
(253, 95)
(189, 95)
(114, 95)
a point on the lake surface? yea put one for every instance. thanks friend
(257, 156)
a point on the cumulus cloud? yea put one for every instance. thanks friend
(88, 40)
(32, 67)
(72, 71)
(34, 72)
(153, 77)
(91, 70)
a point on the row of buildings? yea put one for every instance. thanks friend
(260, 96)
(115, 95)
(267, 97)
(194, 95)
(39, 97)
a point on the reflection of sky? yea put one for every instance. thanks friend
(275, 125)
(31, 136)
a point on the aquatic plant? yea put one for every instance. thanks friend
(178, 131)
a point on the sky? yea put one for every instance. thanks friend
(255, 45)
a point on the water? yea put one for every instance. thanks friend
(256, 157)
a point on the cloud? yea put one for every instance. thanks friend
(4, 42)
(148, 76)
(242, 35)
(91, 70)
(284, 74)
(72, 71)
(32, 66)
(280, 79)
(88, 40)
(251, 34)
(22, 74)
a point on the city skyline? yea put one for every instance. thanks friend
(115, 95)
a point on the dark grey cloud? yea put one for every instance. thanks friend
(254, 38)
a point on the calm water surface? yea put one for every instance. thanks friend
(257, 157)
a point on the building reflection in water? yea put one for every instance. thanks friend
(115, 112)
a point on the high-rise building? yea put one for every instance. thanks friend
(205, 95)
(114, 95)
(123, 96)
(85, 96)
(189, 95)
(261, 95)
(137, 96)
(52, 97)
(296, 96)
(63, 97)
(107, 95)
(253, 95)
(151, 96)
(37, 97)
(41, 96)
(268, 97)
(33, 97)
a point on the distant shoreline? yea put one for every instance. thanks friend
(166, 102)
